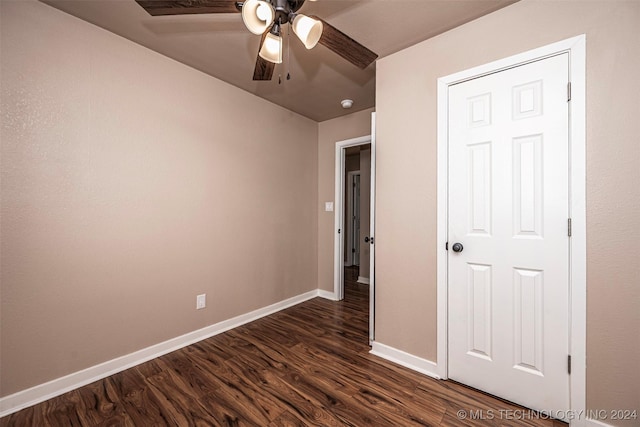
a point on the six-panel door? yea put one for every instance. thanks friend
(508, 206)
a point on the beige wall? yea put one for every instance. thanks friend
(329, 132)
(131, 183)
(406, 234)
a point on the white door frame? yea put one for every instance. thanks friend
(338, 245)
(576, 48)
(372, 233)
(351, 258)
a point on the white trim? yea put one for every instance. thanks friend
(40, 393)
(363, 280)
(327, 295)
(442, 221)
(338, 244)
(372, 234)
(537, 54)
(576, 48)
(578, 212)
(405, 359)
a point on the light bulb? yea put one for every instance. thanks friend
(264, 12)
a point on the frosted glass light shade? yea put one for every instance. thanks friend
(271, 49)
(307, 29)
(257, 16)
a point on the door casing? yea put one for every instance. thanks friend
(576, 48)
(338, 250)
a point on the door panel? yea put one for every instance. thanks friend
(479, 311)
(528, 331)
(508, 207)
(479, 189)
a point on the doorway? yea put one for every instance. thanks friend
(511, 222)
(365, 146)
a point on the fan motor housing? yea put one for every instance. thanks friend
(284, 9)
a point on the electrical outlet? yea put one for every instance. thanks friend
(201, 301)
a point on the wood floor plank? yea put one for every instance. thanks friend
(308, 365)
(287, 419)
(183, 365)
(140, 403)
(99, 404)
(182, 404)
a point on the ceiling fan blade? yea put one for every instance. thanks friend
(345, 46)
(264, 69)
(184, 7)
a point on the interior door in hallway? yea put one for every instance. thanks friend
(508, 258)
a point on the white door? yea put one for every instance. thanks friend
(508, 287)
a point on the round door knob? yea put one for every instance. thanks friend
(366, 239)
(457, 247)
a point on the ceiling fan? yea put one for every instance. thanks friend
(266, 18)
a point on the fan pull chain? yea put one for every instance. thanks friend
(288, 52)
(288, 61)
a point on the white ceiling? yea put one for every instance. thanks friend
(220, 45)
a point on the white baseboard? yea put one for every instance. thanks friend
(363, 280)
(405, 359)
(40, 393)
(327, 295)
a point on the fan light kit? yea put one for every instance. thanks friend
(258, 16)
(266, 18)
(271, 49)
(307, 29)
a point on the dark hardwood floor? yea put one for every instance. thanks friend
(308, 365)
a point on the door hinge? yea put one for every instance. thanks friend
(446, 246)
(569, 364)
(569, 227)
(568, 91)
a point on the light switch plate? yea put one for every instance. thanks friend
(201, 301)
(328, 206)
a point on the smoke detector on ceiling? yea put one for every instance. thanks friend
(346, 103)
